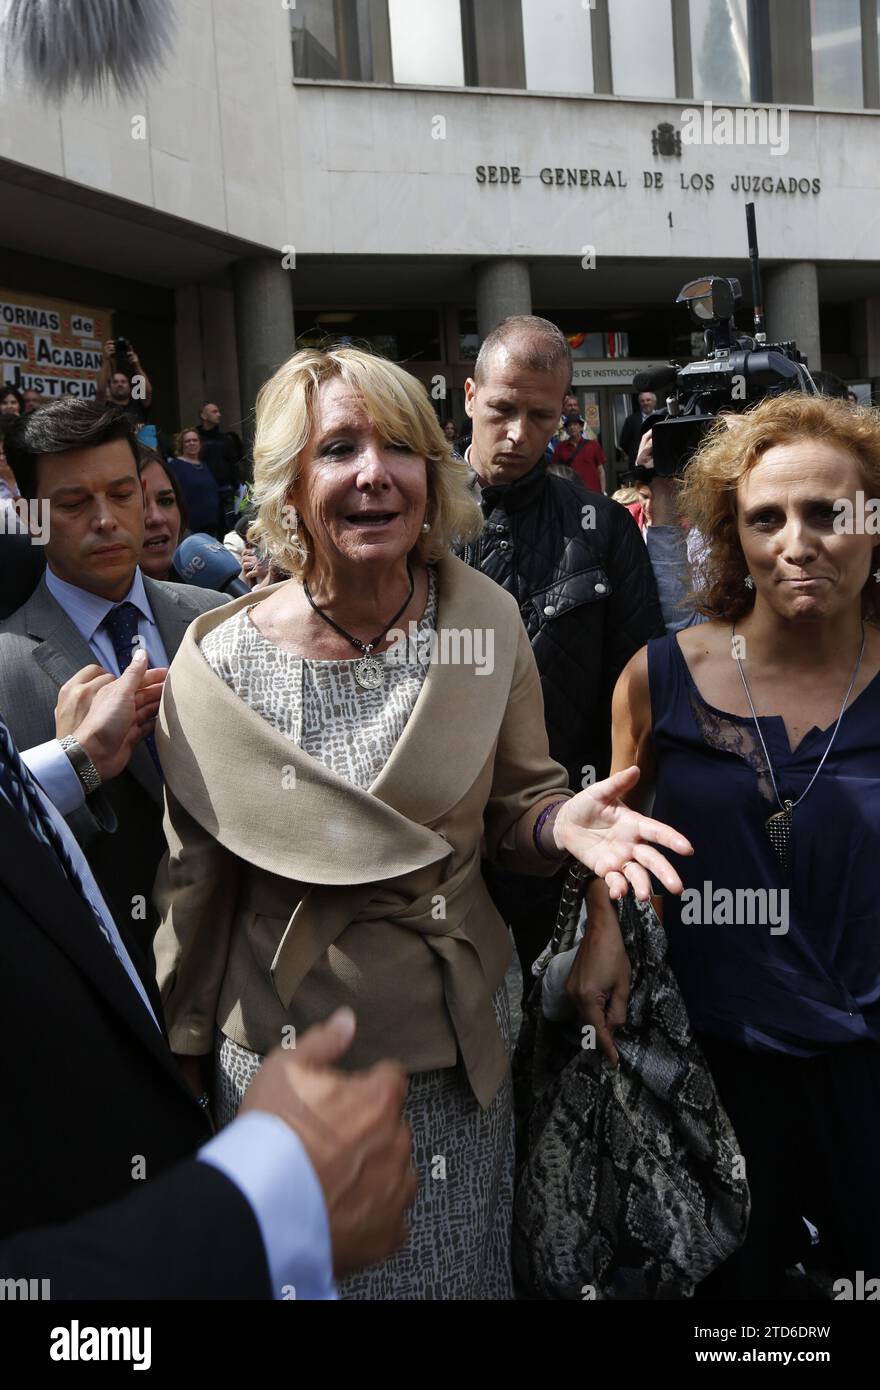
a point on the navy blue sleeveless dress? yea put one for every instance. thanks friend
(795, 967)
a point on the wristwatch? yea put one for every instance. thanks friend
(82, 764)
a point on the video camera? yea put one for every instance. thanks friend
(738, 371)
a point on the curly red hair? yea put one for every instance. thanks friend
(730, 450)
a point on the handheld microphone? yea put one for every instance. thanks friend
(656, 380)
(204, 562)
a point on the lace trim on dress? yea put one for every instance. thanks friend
(730, 736)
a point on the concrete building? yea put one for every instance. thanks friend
(407, 172)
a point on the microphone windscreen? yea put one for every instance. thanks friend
(203, 561)
(92, 45)
(656, 380)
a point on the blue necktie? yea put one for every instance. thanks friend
(121, 626)
(19, 789)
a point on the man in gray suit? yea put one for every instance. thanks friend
(77, 465)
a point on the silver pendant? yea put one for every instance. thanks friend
(779, 830)
(369, 673)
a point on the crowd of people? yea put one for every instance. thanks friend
(283, 856)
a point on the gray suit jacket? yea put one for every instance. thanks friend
(120, 826)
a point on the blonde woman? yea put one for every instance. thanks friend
(335, 752)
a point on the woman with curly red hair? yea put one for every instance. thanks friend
(759, 731)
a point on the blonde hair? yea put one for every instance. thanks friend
(626, 496)
(708, 492)
(397, 404)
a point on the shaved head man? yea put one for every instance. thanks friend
(515, 397)
(575, 562)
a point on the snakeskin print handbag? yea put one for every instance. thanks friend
(631, 1184)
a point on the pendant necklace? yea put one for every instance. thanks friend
(778, 826)
(369, 672)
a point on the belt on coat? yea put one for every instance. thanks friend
(324, 913)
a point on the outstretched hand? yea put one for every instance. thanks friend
(616, 842)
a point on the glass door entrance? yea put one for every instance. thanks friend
(604, 408)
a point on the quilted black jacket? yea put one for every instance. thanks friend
(579, 569)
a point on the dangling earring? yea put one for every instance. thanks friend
(290, 519)
(749, 582)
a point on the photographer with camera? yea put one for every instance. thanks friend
(738, 372)
(122, 381)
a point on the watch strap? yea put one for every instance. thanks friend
(82, 764)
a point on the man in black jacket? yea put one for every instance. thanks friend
(634, 426)
(222, 452)
(110, 1183)
(575, 562)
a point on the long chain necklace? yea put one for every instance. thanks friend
(778, 826)
(369, 673)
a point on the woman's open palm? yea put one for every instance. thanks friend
(616, 842)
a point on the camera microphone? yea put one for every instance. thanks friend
(656, 380)
(203, 561)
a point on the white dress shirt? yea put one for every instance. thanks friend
(87, 612)
(258, 1152)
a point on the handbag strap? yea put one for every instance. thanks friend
(576, 881)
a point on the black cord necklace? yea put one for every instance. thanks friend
(369, 673)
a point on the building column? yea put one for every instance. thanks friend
(207, 362)
(791, 300)
(865, 336)
(264, 328)
(504, 288)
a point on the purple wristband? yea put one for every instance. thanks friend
(539, 826)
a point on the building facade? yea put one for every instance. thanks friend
(408, 172)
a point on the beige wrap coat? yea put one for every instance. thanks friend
(287, 891)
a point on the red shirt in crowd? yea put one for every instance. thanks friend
(585, 457)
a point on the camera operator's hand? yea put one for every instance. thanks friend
(664, 491)
(645, 456)
(109, 349)
(133, 358)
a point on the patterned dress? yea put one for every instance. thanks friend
(459, 1245)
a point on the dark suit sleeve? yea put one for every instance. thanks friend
(626, 436)
(634, 615)
(188, 1234)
